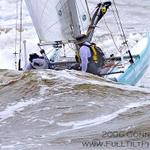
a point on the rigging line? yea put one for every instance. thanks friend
(92, 12)
(88, 9)
(121, 26)
(88, 31)
(125, 42)
(83, 5)
(72, 47)
(41, 17)
(62, 4)
(16, 26)
(15, 53)
(20, 25)
(117, 23)
(118, 26)
(94, 9)
(20, 40)
(57, 21)
(48, 28)
(111, 34)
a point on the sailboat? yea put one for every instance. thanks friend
(59, 22)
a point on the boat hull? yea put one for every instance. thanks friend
(136, 70)
(132, 72)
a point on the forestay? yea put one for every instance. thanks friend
(58, 20)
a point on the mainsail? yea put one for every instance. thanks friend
(58, 20)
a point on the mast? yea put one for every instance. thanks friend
(100, 11)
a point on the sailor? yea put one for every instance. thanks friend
(37, 62)
(88, 56)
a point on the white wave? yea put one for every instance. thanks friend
(7, 147)
(49, 122)
(58, 75)
(43, 90)
(10, 110)
(76, 77)
(75, 125)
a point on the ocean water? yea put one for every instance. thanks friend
(60, 110)
(71, 110)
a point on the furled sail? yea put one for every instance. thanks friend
(58, 20)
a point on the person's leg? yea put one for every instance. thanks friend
(93, 68)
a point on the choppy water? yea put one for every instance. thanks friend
(57, 110)
(63, 109)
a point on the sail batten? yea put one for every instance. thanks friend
(58, 20)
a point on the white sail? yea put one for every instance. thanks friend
(54, 20)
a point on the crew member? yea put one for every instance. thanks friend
(37, 62)
(88, 56)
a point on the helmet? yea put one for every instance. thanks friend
(33, 56)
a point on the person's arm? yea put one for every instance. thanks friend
(84, 58)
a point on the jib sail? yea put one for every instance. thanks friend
(58, 20)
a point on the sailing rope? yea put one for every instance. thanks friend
(42, 14)
(88, 9)
(111, 34)
(16, 35)
(121, 26)
(117, 23)
(123, 33)
(107, 29)
(20, 38)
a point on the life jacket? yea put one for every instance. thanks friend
(97, 55)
